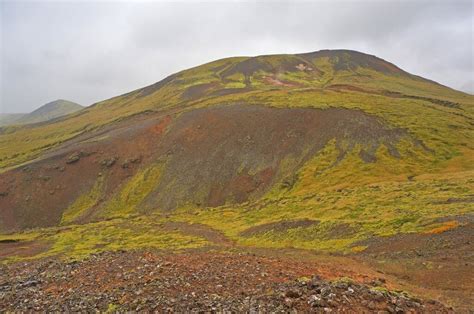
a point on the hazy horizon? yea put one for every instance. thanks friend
(86, 52)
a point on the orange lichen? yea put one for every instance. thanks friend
(445, 227)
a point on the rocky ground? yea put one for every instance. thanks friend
(194, 282)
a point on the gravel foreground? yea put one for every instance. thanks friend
(192, 282)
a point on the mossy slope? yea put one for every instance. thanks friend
(356, 186)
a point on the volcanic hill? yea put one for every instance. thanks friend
(334, 151)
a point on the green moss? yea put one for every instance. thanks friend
(382, 209)
(82, 240)
(235, 85)
(134, 191)
(83, 203)
(112, 308)
(23, 236)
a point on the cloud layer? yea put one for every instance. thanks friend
(90, 51)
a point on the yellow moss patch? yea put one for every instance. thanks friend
(126, 201)
(83, 203)
(358, 248)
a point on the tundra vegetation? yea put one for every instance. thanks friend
(140, 160)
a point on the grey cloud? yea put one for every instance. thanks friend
(90, 51)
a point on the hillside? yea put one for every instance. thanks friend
(49, 111)
(335, 151)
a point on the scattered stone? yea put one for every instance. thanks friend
(325, 291)
(108, 162)
(125, 281)
(74, 157)
(129, 161)
(316, 301)
(292, 294)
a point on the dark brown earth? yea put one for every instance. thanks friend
(347, 60)
(195, 282)
(210, 156)
(21, 248)
(440, 262)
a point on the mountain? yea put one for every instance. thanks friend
(49, 111)
(233, 131)
(334, 150)
(9, 118)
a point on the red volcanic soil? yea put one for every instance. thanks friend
(277, 82)
(21, 248)
(210, 156)
(35, 195)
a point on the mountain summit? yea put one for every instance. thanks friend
(51, 110)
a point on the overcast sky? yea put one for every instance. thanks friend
(87, 51)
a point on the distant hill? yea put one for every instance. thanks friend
(10, 118)
(51, 110)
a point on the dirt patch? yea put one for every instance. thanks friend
(459, 238)
(280, 226)
(276, 82)
(341, 231)
(198, 90)
(440, 102)
(453, 200)
(21, 248)
(440, 261)
(342, 87)
(229, 91)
